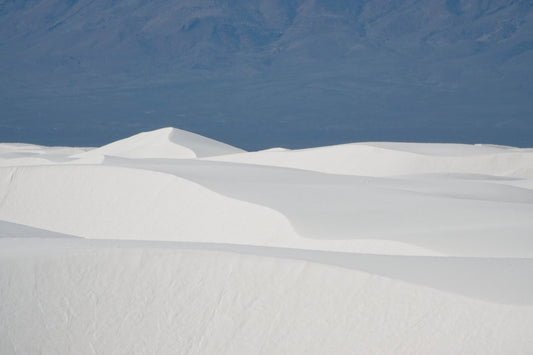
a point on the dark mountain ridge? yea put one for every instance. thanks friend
(260, 73)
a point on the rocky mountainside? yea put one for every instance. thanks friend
(296, 73)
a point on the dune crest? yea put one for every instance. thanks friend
(163, 143)
(390, 159)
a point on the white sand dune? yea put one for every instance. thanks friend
(389, 159)
(446, 215)
(122, 203)
(163, 300)
(163, 143)
(168, 242)
(116, 202)
(17, 154)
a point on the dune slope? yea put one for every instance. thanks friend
(168, 242)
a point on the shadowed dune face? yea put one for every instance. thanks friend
(168, 301)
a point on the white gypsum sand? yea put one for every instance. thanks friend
(168, 242)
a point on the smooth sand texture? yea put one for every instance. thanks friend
(168, 242)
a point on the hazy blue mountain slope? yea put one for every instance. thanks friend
(259, 73)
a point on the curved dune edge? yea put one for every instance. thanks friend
(116, 202)
(391, 159)
(495, 280)
(143, 300)
(449, 216)
(127, 203)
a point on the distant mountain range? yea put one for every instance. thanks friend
(259, 73)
